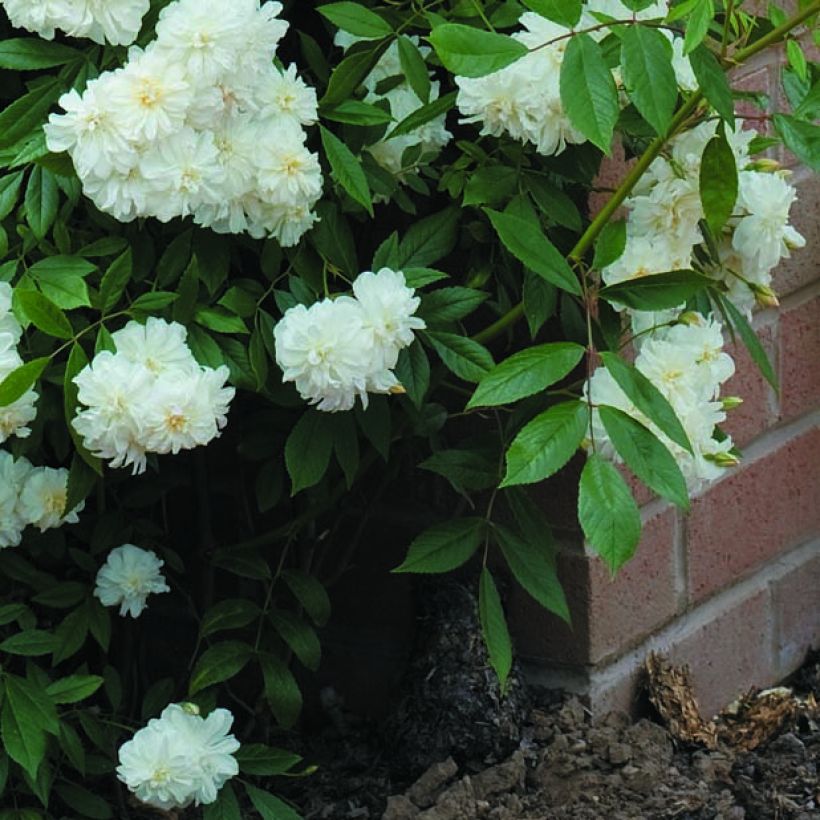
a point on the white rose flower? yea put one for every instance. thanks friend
(157, 345)
(126, 579)
(13, 474)
(43, 499)
(8, 321)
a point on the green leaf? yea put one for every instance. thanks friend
(29, 642)
(713, 82)
(310, 593)
(450, 304)
(74, 688)
(376, 425)
(308, 449)
(219, 320)
(534, 568)
(413, 372)
(23, 742)
(423, 115)
(809, 106)
(419, 277)
(61, 279)
(357, 19)
(645, 455)
(219, 663)
(351, 72)
(268, 806)
(281, 691)
(444, 546)
(26, 113)
(428, 240)
(659, 291)
(13, 386)
(72, 746)
(106, 246)
(465, 469)
(77, 360)
(154, 301)
(526, 373)
(588, 91)
(491, 185)
(9, 191)
(299, 637)
(414, 68)
(553, 203)
(32, 53)
(114, 281)
(801, 138)
(540, 299)
(232, 613)
(646, 60)
(608, 513)
(752, 343)
(265, 761)
(31, 703)
(698, 24)
(84, 801)
(346, 169)
(529, 245)
(718, 181)
(494, 627)
(546, 444)
(467, 359)
(471, 52)
(565, 12)
(43, 314)
(610, 245)
(646, 397)
(226, 806)
(41, 201)
(356, 112)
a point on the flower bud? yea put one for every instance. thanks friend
(730, 402)
(765, 296)
(722, 459)
(190, 708)
(764, 165)
(397, 390)
(691, 318)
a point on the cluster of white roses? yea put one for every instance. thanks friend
(199, 123)
(180, 758)
(151, 396)
(401, 101)
(665, 209)
(687, 364)
(126, 579)
(115, 21)
(14, 417)
(33, 496)
(524, 99)
(345, 347)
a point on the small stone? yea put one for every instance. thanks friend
(399, 807)
(619, 753)
(427, 788)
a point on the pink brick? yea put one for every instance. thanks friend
(795, 600)
(800, 359)
(730, 653)
(608, 614)
(803, 266)
(754, 514)
(612, 171)
(759, 81)
(757, 413)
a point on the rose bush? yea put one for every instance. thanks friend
(336, 249)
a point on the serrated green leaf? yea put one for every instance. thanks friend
(299, 636)
(43, 313)
(645, 455)
(646, 60)
(310, 593)
(347, 170)
(414, 68)
(465, 469)
(29, 642)
(713, 82)
(421, 116)
(610, 245)
(41, 201)
(529, 244)
(20, 380)
(608, 513)
(588, 92)
(698, 24)
(32, 53)
(226, 806)
(450, 304)
(801, 138)
(466, 358)
(494, 628)
(471, 52)
(546, 444)
(533, 566)
(115, 280)
(268, 806)
(718, 181)
(356, 112)
(74, 688)
(443, 547)
(281, 691)
(646, 397)
(658, 291)
(356, 19)
(565, 12)
(413, 372)
(219, 663)
(752, 343)
(232, 613)
(265, 761)
(308, 449)
(84, 801)
(526, 373)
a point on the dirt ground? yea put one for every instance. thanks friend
(453, 751)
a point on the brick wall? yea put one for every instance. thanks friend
(733, 587)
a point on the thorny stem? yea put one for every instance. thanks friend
(646, 159)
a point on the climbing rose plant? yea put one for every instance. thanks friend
(264, 264)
